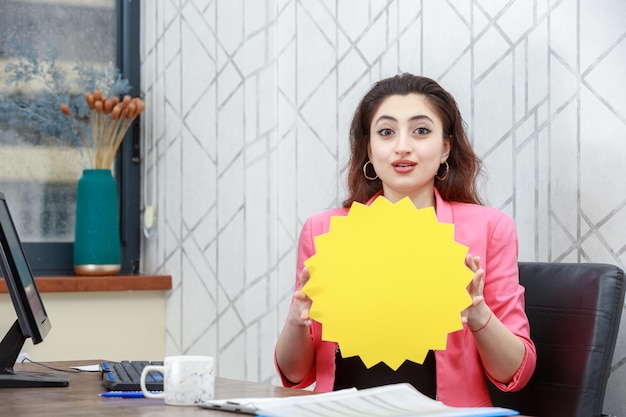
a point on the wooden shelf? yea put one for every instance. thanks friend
(106, 283)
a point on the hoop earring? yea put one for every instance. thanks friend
(445, 174)
(365, 171)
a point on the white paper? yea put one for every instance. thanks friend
(87, 368)
(252, 405)
(397, 400)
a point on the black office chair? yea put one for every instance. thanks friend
(574, 312)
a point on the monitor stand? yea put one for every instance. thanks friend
(25, 379)
(9, 351)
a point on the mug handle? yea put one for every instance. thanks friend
(142, 381)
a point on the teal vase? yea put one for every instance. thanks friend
(97, 247)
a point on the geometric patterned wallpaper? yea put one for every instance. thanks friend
(248, 108)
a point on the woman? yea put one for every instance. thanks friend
(408, 139)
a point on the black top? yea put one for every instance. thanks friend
(352, 372)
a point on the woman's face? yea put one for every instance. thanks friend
(406, 147)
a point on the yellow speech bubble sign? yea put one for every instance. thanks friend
(388, 282)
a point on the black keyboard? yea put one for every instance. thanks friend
(125, 375)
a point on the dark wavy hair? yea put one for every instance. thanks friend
(465, 166)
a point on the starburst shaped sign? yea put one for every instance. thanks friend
(388, 282)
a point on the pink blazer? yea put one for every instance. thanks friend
(487, 233)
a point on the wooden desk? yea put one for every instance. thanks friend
(82, 397)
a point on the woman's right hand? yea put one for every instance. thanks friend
(299, 312)
(295, 355)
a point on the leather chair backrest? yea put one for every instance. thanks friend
(574, 312)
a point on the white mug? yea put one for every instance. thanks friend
(187, 380)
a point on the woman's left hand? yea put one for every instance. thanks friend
(478, 312)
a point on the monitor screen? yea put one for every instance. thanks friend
(31, 313)
(32, 320)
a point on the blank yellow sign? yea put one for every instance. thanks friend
(388, 282)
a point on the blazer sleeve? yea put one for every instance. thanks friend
(505, 296)
(306, 249)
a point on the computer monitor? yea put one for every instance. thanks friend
(32, 320)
